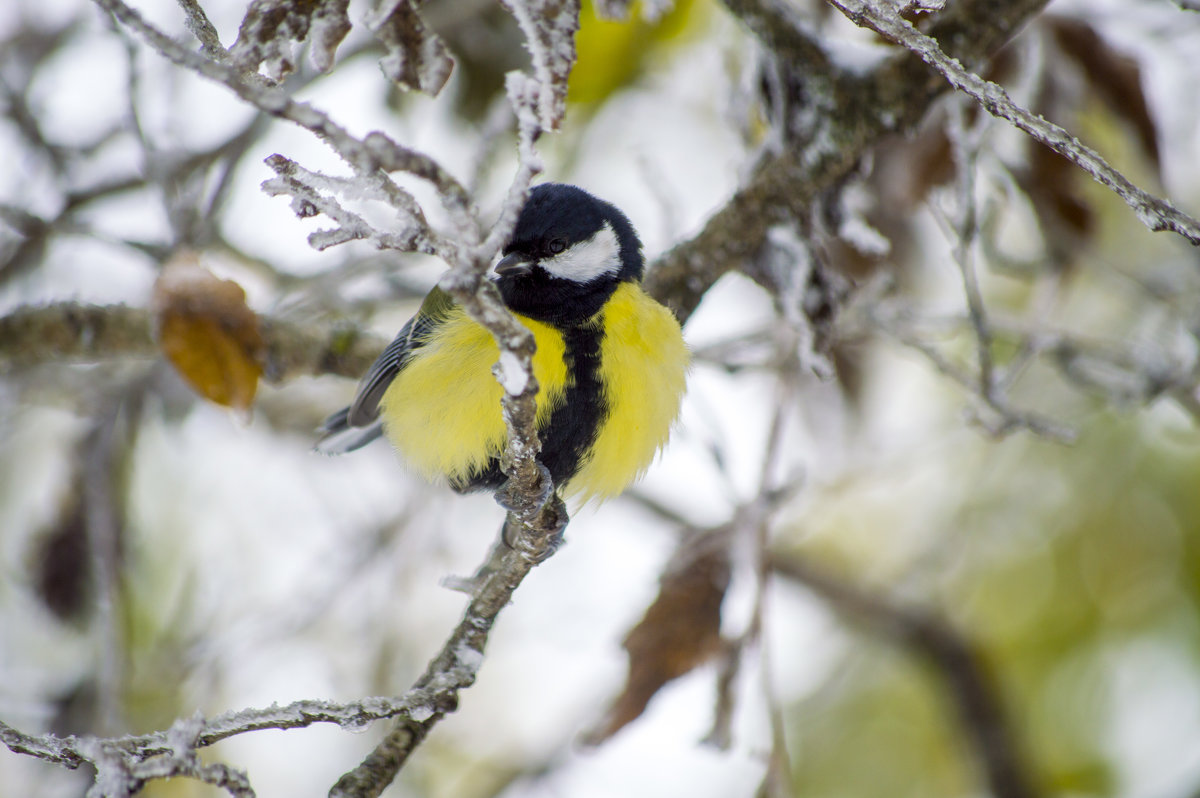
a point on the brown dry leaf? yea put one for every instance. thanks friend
(1054, 186)
(680, 631)
(62, 565)
(417, 57)
(271, 28)
(1114, 76)
(208, 332)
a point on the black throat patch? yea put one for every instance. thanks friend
(554, 300)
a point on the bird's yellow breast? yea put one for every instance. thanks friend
(443, 413)
(443, 409)
(643, 367)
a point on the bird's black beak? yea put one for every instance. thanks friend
(513, 265)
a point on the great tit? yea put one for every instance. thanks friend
(611, 362)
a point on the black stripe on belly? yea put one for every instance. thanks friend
(574, 424)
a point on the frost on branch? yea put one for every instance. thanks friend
(271, 29)
(549, 27)
(312, 194)
(417, 57)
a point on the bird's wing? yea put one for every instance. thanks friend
(434, 310)
(358, 424)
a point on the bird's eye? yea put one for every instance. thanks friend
(556, 246)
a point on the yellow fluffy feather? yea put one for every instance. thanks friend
(443, 409)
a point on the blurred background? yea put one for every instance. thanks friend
(885, 518)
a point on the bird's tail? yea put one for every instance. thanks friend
(338, 437)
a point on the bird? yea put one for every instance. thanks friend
(611, 362)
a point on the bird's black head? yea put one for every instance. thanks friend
(567, 255)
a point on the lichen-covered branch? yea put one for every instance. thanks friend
(67, 332)
(128, 756)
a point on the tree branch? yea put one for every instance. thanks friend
(536, 515)
(864, 111)
(67, 332)
(891, 98)
(374, 153)
(193, 733)
(1156, 213)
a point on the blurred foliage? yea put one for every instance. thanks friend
(613, 53)
(879, 732)
(1054, 560)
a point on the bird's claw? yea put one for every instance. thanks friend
(537, 547)
(507, 496)
(548, 510)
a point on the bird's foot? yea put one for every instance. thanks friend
(538, 540)
(537, 543)
(508, 497)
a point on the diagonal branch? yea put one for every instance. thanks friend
(1156, 213)
(536, 515)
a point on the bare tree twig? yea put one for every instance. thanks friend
(965, 143)
(103, 523)
(778, 780)
(1156, 213)
(189, 734)
(375, 152)
(1010, 418)
(198, 23)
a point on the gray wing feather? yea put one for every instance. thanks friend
(357, 425)
(365, 407)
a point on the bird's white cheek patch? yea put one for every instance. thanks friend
(587, 260)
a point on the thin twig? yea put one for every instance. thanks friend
(1011, 419)
(374, 152)
(965, 144)
(778, 780)
(198, 23)
(416, 703)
